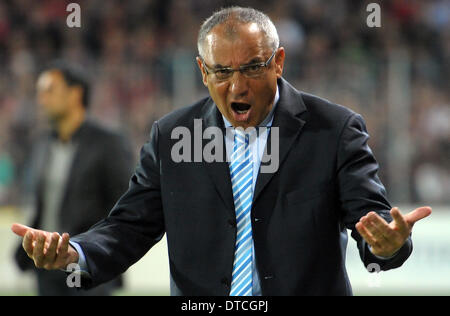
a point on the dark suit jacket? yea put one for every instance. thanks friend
(99, 175)
(326, 181)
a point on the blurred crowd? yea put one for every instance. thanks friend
(140, 56)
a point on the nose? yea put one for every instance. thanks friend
(238, 84)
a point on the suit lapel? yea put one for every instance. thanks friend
(289, 125)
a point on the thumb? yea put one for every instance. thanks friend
(20, 229)
(418, 214)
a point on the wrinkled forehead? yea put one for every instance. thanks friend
(230, 42)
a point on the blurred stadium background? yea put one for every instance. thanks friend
(141, 59)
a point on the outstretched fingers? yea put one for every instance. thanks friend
(27, 243)
(20, 230)
(38, 251)
(418, 214)
(379, 226)
(50, 253)
(365, 233)
(63, 246)
(400, 223)
(47, 250)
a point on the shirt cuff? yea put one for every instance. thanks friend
(380, 257)
(81, 257)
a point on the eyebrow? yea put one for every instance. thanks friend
(255, 60)
(219, 66)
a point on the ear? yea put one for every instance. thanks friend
(76, 94)
(203, 71)
(279, 61)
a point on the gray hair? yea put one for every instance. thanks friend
(243, 15)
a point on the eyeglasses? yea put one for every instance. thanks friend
(250, 71)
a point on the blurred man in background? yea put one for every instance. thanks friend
(78, 170)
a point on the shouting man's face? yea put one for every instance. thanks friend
(243, 97)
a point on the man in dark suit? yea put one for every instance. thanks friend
(78, 171)
(232, 228)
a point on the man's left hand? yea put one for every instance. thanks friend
(385, 239)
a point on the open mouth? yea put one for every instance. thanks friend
(240, 108)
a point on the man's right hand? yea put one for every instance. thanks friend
(49, 251)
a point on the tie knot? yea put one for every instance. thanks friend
(240, 136)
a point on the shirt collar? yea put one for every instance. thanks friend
(267, 122)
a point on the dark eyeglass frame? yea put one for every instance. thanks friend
(242, 69)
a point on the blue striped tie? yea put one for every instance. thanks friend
(241, 168)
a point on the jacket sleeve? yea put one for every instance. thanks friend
(361, 191)
(133, 226)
